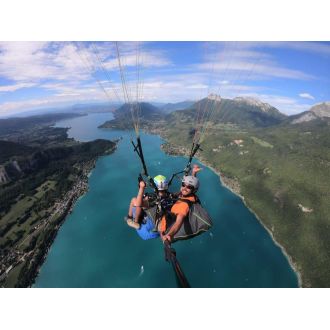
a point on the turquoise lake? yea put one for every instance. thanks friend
(95, 248)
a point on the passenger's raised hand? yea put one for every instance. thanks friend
(142, 184)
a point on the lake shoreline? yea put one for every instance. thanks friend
(222, 179)
(76, 195)
(233, 186)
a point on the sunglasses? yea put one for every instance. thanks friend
(187, 186)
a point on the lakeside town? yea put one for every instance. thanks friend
(17, 257)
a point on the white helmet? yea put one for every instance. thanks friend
(191, 181)
(161, 182)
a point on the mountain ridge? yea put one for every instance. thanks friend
(319, 111)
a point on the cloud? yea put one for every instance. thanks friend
(307, 96)
(317, 48)
(67, 71)
(13, 88)
(170, 88)
(103, 55)
(59, 99)
(66, 67)
(238, 62)
(143, 60)
(36, 62)
(14, 106)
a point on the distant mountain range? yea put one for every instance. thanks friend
(126, 116)
(76, 108)
(17, 125)
(241, 111)
(95, 107)
(144, 110)
(170, 107)
(244, 112)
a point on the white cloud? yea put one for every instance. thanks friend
(14, 106)
(143, 60)
(13, 88)
(318, 48)
(198, 86)
(311, 47)
(307, 96)
(65, 69)
(39, 61)
(69, 96)
(132, 54)
(237, 62)
(171, 88)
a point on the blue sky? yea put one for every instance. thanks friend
(292, 76)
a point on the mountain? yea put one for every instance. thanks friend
(303, 117)
(170, 107)
(158, 104)
(319, 111)
(127, 115)
(257, 106)
(144, 111)
(76, 108)
(244, 112)
(17, 125)
(95, 107)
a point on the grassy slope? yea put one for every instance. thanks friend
(274, 180)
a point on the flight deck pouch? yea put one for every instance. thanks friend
(197, 222)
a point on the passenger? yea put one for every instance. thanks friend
(138, 203)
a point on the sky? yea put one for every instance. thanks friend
(291, 76)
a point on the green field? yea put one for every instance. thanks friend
(24, 215)
(261, 142)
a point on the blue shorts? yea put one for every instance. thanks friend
(146, 229)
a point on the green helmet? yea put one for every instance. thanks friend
(161, 182)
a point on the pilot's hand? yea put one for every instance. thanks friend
(166, 238)
(195, 169)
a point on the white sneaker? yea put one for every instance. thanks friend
(133, 224)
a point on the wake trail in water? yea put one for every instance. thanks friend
(141, 271)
